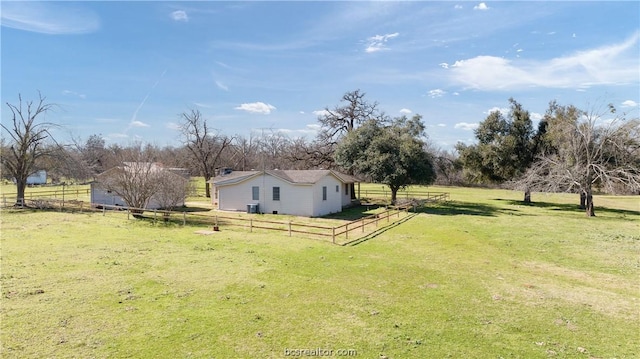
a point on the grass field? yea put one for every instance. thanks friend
(482, 276)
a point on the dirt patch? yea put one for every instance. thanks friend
(206, 232)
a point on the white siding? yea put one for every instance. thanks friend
(39, 177)
(295, 198)
(100, 195)
(333, 204)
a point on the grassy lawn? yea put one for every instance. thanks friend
(482, 276)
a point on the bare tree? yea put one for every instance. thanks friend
(204, 144)
(140, 180)
(172, 189)
(587, 149)
(244, 153)
(27, 141)
(341, 120)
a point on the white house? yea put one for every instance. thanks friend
(101, 195)
(310, 193)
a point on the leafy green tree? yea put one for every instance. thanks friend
(393, 155)
(506, 147)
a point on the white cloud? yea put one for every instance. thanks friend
(458, 7)
(405, 111)
(138, 124)
(53, 18)
(257, 107)
(222, 86)
(535, 117)
(629, 103)
(311, 129)
(611, 65)
(481, 6)
(503, 110)
(441, 125)
(444, 65)
(379, 42)
(437, 93)
(173, 126)
(465, 126)
(180, 15)
(73, 93)
(320, 113)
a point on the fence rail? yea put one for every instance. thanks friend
(341, 235)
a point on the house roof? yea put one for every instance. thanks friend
(137, 167)
(292, 176)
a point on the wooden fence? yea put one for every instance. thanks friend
(341, 235)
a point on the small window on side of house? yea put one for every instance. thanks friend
(255, 193)
(346, 189)
(324, 193)
(337, 188)
(276, 193)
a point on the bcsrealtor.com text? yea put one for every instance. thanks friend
(319, 352)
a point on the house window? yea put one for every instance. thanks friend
(337, 188)
(276, 193)
(255, 193)
(346, 189)
(324, 193)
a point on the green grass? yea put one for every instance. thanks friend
(482, 276)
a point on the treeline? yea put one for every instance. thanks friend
(571, 150)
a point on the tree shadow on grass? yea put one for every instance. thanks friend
(355, 212)
(454, 208)
(190, 209)
(570, 207)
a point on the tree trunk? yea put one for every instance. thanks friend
(583, 200)
(207, 188)
(527, 196)
(394, 194)
(21, 185)
(589, 211)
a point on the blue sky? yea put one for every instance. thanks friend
(126, 70)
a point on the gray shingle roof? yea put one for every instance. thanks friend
(292, 176)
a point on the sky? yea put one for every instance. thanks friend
(127, 70)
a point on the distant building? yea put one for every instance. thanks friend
(100, 195)
(37, 178)
(310, 193)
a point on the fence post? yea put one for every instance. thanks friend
(363, 222)
(184, 218)
(250, 224)
(104, 210)
(333, 235)
(155, 219)
(289, 228)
